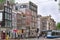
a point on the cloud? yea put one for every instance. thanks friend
(49, 8)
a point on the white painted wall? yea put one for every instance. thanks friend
(0, 16)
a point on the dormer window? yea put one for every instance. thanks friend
(23, 6)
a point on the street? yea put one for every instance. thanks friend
(37, 39)
(41, 39)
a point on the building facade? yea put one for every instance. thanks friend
(52, 24)
(18, 20)
(14, 19)
(39, 24)
(7, 16)
(21, 21)
(30, 12)
(47, 23)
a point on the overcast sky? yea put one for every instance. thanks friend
(46, 7)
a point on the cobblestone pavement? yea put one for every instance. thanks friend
(37, 39)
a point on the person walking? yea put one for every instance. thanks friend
(7, 37)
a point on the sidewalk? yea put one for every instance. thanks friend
(20, 39)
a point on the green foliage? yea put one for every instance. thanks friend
(58, 26)
(2, 1)
(12, 1)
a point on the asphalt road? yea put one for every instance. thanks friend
(36, 39)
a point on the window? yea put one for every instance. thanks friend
(23, 6)
(5, 9)
(10, 11)
(10, 24)
(23, 15)
(55, 0)
(23, 22)
(6, 24)
(16, 8)
(10, 17)
(32, 24)
(6, 16)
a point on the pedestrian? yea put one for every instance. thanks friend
(38, 36)
(7, 37)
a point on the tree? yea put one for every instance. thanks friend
(58, 25)
(1, 1)
(12, 1)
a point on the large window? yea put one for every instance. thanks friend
(7, 16)
(7, 23)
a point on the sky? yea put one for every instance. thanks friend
(45, 8)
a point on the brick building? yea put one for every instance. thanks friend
(30, 15)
